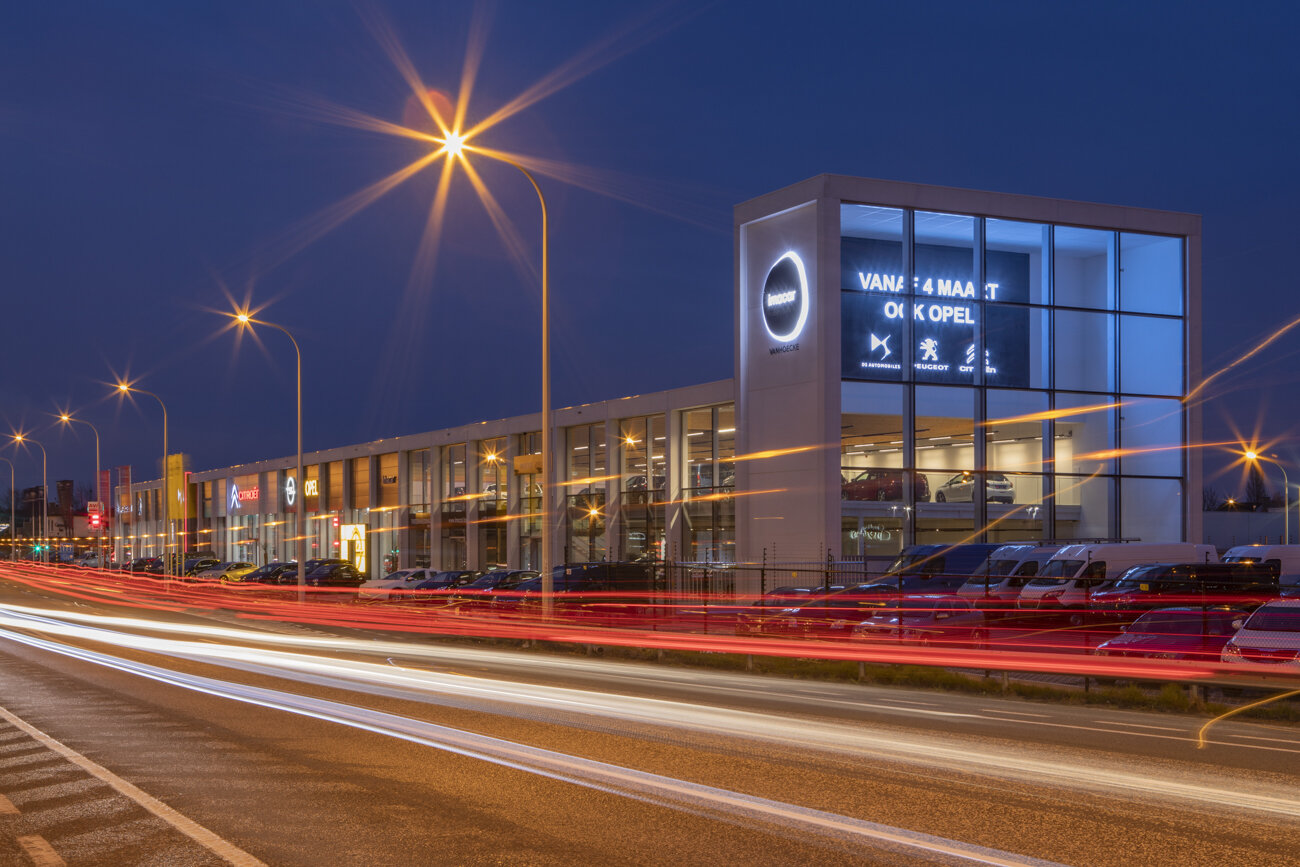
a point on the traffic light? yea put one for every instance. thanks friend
(96, 521)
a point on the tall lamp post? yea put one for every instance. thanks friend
(45, 495)
(12, 525)
(456, 146)
(165, 499)
(1256, 457)
(300, 489)
(67, 419)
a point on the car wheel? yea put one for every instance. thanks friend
(940, 498)
(1076, 619)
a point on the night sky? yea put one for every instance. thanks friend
(159, 155)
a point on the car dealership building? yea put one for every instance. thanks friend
(913, 364)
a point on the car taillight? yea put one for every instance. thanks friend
(1053, 594)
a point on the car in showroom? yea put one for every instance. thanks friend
(228, 572)
(961, 489)
(1186, 632)
(883, 485)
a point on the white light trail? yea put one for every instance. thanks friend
(602, 776)
(1022, 763)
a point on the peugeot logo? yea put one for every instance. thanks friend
(785, 298)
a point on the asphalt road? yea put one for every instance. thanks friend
(191, 739)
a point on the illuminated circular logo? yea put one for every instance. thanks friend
(290, 491)
(785, 298)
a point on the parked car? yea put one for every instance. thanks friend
(392, 584)
(477, 594)
(1177, 633)
(146, 566)
(229, 572)
(1285, 558)
(997, 583)
(605, 592)
(887, 485)
(195, 565)
(1141, 588)
(275, 572)
(749, 619)
(952, 563)
(926, 620)
(315, 563)
(334, 576)
(1075, 572)
(1269, 639)
(961, 489)
(436, 586)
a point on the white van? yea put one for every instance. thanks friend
(998, 582)
(1285, 557)
(1075, 571)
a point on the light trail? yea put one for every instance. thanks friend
(1022, 762)
(694, 798)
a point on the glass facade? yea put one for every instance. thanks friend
(586, 472)
(643, 481)
(1071, 426)
(708, 483)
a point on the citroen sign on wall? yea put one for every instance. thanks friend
(785, 301)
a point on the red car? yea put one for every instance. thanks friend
(887, 485)
(1177, 633)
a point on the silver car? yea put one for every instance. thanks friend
(961, 489)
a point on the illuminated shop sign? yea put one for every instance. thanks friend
(785, 302)
(312, 488)
(943, 309)
(239, 496)
(290, 491)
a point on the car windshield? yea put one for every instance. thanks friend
(1134, 578)
(1057, 572)
(486, 582)
(1179, 623)
(1240, 559)
(1275, 619)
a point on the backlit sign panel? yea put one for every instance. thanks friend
(943, 307)
(785, 301)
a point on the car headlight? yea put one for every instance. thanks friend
(1231, 651)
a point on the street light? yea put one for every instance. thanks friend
(454, 142)
(12, 525)
(128, 388)
(45, 495)
(67, 419)
(300, 490)
(1255, 457)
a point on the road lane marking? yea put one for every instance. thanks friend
(1291, 741)
(187, 826)
(1113, 722)
(7, 807)
(1016, 712)
(670, 792)
(40, 852)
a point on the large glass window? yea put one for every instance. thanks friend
(1085, 351)
(1151, 509)
(874, 300)
(360, 494)
(1151, 355)
(1085, 434)
(1151, 434)
(528, 480)
(388, 495)
(1084, 507)
(642, 469)
(709, 445)
(1084, 267)
(585, 488)
(1016, 346)
(1151, 274)
(1016, 261)
(946, 309)
(1013, 434)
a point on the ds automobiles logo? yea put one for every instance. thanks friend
(785, 299)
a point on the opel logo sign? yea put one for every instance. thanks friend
(785, 298)
(290, 490)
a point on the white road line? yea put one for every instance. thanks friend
(229, 851)
(1116, 722)
(628, 782)
(40, 852)
(1291, 741)
(1016, 712)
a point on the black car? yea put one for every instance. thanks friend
(1159, 585)
(477, 594)
(146, 566)
(332, 575)
(604, 592)
(195, 565)
(749, 619)
(437, 586)
(278, 572)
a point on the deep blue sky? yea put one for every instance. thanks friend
(150, 157)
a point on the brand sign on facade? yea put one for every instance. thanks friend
(944, 309)
(785, 302)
